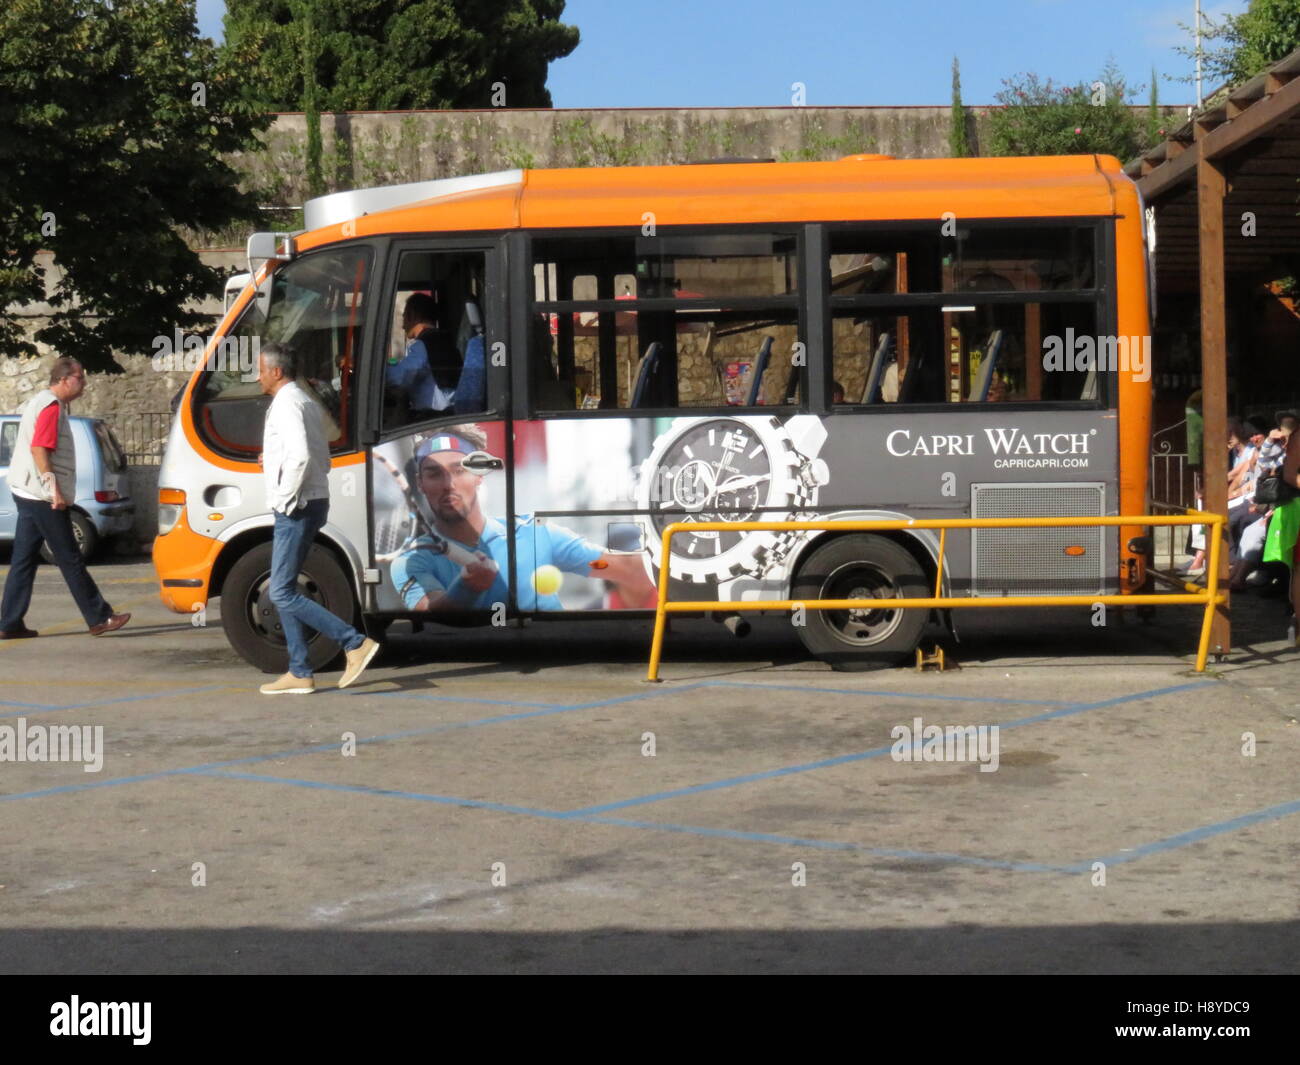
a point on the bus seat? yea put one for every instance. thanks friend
(877, 371)
(644, 374)
(471, 389)
(980, 393)
(791, 393)
(475, 318)
(760, 368)
(1090, 385)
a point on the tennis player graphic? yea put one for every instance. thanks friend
(458, 557)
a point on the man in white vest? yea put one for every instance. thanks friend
(296, 466)
(43, 480)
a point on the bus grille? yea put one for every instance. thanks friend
(1034, 561)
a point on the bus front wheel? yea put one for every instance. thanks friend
(252, 623)
(860, 567)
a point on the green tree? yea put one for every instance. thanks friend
(1240, 46)
(310, 107)
(1155, 128)
(957, 145)
(1040, 118)
(113, 123)
(404, 54)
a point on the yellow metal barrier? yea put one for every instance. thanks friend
(1210, 596)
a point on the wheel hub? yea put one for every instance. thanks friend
(861, 625)
(265, 618)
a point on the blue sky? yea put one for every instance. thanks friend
(737, 53)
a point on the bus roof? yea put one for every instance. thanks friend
(859, 188)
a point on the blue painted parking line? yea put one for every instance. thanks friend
(888, 695)
(389, 793)
(46, 708)
(320, 748)
(1195, 835)
(1175, 842)
(833, 845)
(875, 752)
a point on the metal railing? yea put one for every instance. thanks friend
(1208, 597)
(142, 434)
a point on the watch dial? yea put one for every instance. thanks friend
(716, 471)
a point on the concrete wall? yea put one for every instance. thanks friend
(368, 148)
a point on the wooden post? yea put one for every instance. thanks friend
(1034, 351)
(1211, 187)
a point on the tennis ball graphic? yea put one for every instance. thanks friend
(546, 580)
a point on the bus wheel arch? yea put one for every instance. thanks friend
(862, 565)
(250, 620)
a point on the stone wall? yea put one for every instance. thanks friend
(366, 148)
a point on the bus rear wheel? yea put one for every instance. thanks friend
(861, 567)
(252, 622)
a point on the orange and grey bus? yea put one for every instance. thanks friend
(526, 375)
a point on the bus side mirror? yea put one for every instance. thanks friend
(263, 247)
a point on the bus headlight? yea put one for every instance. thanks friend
(171, 505)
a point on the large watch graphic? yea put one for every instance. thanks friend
(730, 469)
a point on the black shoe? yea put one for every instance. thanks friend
(20, 633)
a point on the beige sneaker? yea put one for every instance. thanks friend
(289, 685)
(357, 661)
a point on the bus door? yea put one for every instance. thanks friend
(659, 370)
(439, 497)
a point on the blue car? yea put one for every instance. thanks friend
(103, 506)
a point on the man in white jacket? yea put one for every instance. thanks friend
(296, 463)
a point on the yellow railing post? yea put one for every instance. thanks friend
(938, 570)
(1211, 591)
(1210, 597)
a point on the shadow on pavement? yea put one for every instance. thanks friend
(1198, 948)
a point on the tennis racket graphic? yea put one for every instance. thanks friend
(402, 517)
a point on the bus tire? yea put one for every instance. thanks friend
(860, 567)
(252, 623)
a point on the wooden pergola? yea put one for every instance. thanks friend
(1225, 198)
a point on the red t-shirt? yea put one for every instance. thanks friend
(46, 433)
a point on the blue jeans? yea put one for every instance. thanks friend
(294, 534)
(37, 522)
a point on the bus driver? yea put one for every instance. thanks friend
(429, 580)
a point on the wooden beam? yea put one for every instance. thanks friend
(1179, 170)
(1257, 119)
(1211, 185)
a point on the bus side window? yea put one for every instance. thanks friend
(723, 330)
(973, 314)
(436, 350)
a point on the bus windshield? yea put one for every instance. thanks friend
(316, 307)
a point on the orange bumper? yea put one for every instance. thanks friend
(184, 555)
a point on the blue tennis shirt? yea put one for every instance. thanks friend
(420, 571)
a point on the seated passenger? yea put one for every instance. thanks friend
(429, 371)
